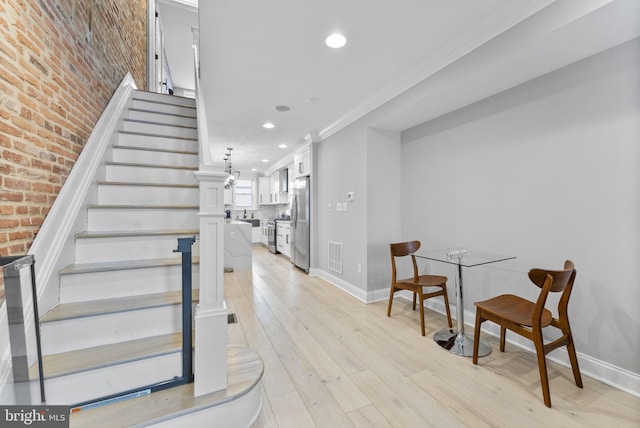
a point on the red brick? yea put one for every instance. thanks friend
(9, 223)
(6, 210)
(15, 157)
(11, 196)
(16, 184)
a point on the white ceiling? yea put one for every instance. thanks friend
(409, 60)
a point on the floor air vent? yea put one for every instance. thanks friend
(335, 256)
(231, 318)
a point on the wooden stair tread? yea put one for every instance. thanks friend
(164, 113)
(82, 360)
(186, 102)
(153, 149)
(109, 207)
(244, 370)
(119, 233)
(151, 122)
(149, 134)
(66, 311)
(123, 265)
(149, 165)
(133, 183)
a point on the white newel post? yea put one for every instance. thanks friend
(210, 367)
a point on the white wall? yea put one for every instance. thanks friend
(547, 171)
(383, 206)
(341, 162)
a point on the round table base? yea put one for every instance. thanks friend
(460, 344)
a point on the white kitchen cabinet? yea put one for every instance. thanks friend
(283, 239)
(264, 190)
(264, 238)
(274, 181)
(228, 196)
(256, 235)
(302, 163)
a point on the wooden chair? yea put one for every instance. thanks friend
(528, 319)
(417, 283)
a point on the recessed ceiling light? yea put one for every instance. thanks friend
(313, 100)
(336, 40)
(254, 169)
(265, 160)
(282, 108)
(283, 146)
(268, 125)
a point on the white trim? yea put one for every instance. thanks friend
(602, 371)
(341, 284)
(48, 245)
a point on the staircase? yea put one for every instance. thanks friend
(118, 322)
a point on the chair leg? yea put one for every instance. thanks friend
(542, 367)
(446, 306)
(571, 350)
(476, 336)
(421, 311)
(390, 300)
(503, 337)
(414, 300)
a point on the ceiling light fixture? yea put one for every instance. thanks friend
(336, 40)
(282, 108)
(268, 125)
(233, 175)
(265, 160)
(283, 146)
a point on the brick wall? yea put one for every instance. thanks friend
(55, 80)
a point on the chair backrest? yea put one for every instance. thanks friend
(560, 279)
(554, 281)
(402, 249)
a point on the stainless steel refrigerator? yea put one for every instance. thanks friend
(300, 223)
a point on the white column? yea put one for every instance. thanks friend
(210, 367)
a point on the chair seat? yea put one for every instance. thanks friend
(426, 281)
(514, 308)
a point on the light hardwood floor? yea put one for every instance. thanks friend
(332, 361)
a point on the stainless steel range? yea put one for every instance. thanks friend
(270, 232)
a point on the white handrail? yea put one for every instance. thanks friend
(204, 148)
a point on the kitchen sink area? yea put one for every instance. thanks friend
(253, 221)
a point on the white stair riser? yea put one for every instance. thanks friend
(101, 219)
(159, 129)
(86, 332)
(123, 283)
(164, 98)
(166, 118)
(121, 194)
(124, 248)
(106, 381)
(156, 142)
(164, 108)
(143, 174)
(151, 157)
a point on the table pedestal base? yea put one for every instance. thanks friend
(460, 343)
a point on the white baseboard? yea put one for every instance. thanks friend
(602, 371)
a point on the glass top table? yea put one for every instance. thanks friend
(457, 341)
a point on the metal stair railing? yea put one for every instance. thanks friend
(185, 247)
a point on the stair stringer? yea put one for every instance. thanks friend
(52, 247)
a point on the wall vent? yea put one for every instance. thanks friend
(335, 256)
